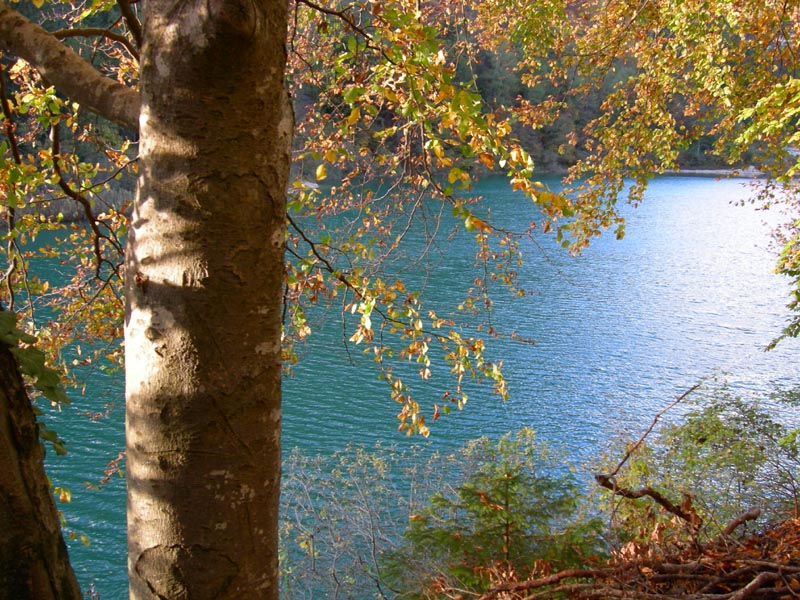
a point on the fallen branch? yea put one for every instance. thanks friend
(750, 515)
(685, 511)
(523, 586)
(764, 566)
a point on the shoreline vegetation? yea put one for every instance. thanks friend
(749, 172)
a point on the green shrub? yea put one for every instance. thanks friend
(516, 508)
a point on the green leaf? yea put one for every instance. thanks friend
(352, 94)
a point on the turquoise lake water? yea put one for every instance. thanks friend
(619, 332)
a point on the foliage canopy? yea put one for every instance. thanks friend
(396, 117)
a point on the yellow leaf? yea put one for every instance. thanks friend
(38, 3)
(452, 176)
(487, 159)
(355, 115)
(450, 119)
(472, 223)
(322, 172)
(64, 495)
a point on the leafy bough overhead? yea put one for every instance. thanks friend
(72, 74)
(387, 108)
(391, 122)
(400, 122)
(670, 76)
(394, 141)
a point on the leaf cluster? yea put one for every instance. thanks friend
(33, 365)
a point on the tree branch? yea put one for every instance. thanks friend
(531, 584)
(750, 515)
(685, 511)
(134, 26)
(340, 14)
(71, 74)
(78, 197)
(650, 429)
(9, 128)
(98, 32)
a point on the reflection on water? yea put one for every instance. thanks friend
(619, 332)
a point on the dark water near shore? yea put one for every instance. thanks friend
(619, 332)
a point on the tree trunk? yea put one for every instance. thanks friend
(204, 272)
(34, 564)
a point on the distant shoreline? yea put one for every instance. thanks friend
(745, 173)
(748, 172)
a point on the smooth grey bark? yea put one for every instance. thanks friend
(34, 564)
(204, 272)
(71, 74)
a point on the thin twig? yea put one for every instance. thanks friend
(652, 426)
(9, 129)
(84, 202)
(98, 32)
(340, 14)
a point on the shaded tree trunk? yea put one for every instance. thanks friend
(34, 564)
(204, 272)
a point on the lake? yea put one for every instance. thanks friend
(619, 332)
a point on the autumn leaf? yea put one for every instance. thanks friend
(487, 160)
(472, 223)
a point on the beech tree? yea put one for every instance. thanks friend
(204, 277)
(204, 285)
